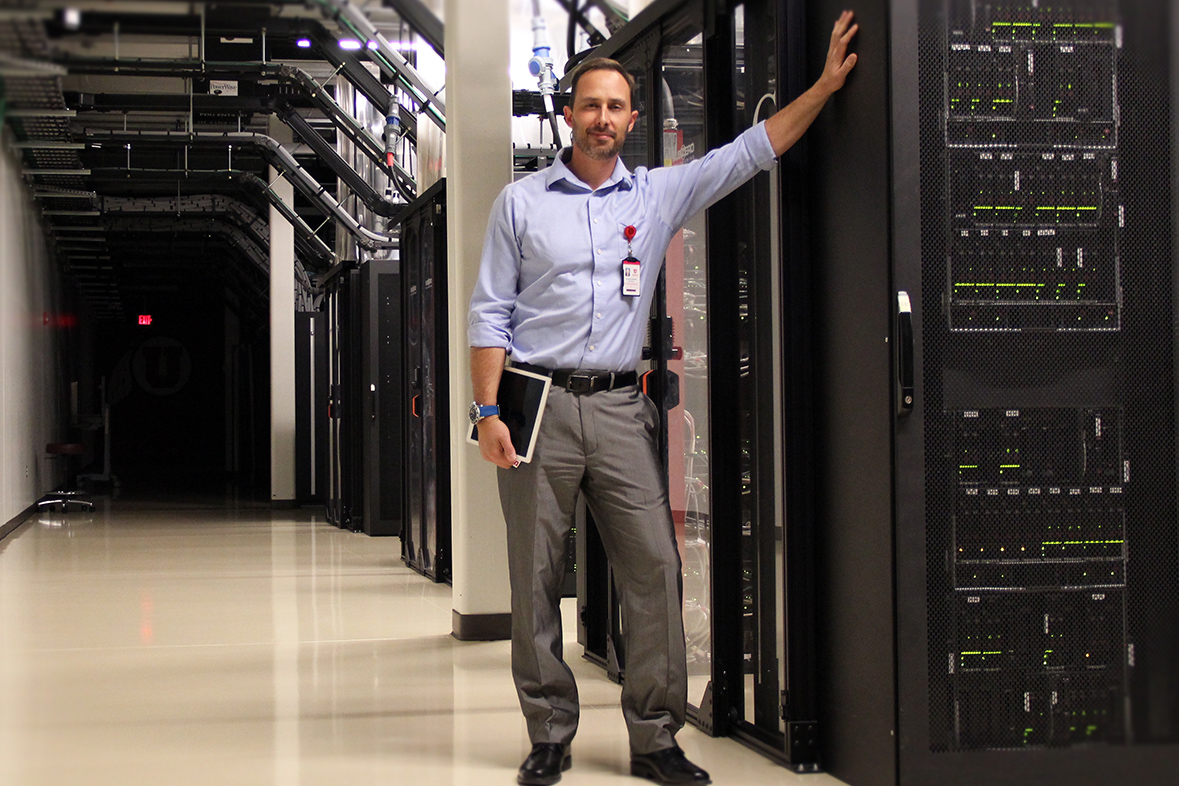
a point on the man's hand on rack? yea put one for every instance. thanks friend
(790, 123)
(839, 62)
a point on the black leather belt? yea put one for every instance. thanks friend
(581, 381)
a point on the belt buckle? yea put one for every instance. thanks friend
(580, 383)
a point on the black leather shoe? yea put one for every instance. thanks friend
(545, 764)
(667, 766)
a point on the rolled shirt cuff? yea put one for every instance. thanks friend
(759, 145)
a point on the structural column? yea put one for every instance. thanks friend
(282, 338)
(478, 166)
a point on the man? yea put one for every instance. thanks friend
(569, 268)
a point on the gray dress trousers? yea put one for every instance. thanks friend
(601, 445)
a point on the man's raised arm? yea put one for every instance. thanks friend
(786, 126)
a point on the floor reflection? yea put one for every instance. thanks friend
(206, 638)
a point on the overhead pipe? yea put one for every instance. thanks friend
(303, 233)
(344, 14)
(358, 133)
(375, 202)
(423, 22)
(541, 67)
(578, 18)
(206, 204)
(393, 133)
(343, 121)
(314, 191)
(189, 68)
(391, 63)
(276, 156)
(129, 214)
(287, 212)
(249, 178)
(377, 47)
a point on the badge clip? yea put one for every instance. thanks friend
(631, 267)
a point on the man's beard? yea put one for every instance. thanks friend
(581, 140)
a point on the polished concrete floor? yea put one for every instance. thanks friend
(218, 642)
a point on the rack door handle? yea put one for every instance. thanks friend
(904, 354)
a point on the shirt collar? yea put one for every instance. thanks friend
(559, 171)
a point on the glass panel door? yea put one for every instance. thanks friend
(686, 268)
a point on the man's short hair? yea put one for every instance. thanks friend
(600, 64)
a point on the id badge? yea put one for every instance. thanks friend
(630, 277)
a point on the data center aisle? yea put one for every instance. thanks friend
(219, 642)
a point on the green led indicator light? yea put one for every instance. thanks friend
(1081, 542)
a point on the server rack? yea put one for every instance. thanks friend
(365, 432)
(345, 501)
(380, 395)
(995, 485)
(425, 543)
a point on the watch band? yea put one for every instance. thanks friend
(478, 411)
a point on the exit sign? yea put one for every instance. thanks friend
(145, 319)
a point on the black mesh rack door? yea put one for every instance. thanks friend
(1052, 567)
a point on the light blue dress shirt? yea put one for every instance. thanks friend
(550, 281)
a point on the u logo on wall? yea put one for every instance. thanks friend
(161, 366)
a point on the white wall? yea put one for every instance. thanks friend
(28, 364)
(282, 334)
(479, 165)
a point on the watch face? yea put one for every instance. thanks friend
(473, 413)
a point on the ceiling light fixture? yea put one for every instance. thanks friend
(58, 172)
(45, 144)
(24, 112)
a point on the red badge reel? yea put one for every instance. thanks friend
(631, 268)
